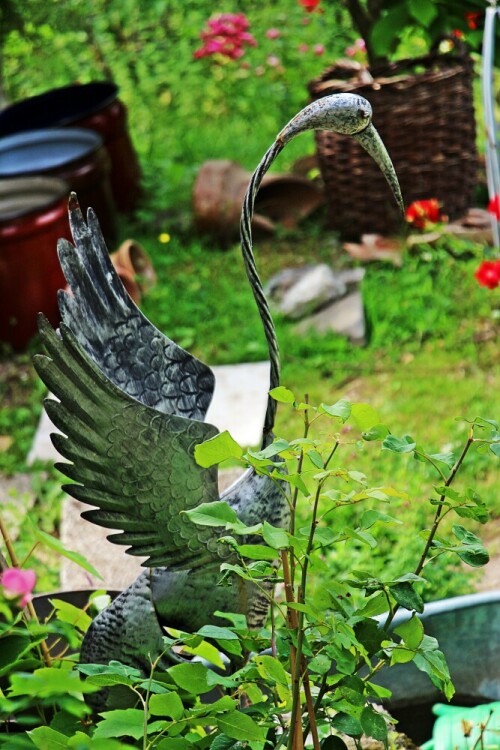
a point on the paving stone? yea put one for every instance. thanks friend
(346, 316)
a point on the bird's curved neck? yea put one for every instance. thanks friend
(253, 277)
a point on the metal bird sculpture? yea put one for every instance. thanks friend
(131, 408)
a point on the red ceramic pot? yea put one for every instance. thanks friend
(33, 216)
(74, 155)
(94, 106)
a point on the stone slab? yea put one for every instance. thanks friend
(346, 316)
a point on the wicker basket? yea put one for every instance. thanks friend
(423, 109)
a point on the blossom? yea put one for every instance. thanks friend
(226, 34)
(273, 61)
(472, 19)
(358, 46)
(319, 49)
(310, 5)
(18, 583)
(421, 213)
(273, 33)
(303, 48)
(488, 273)
(494, 206)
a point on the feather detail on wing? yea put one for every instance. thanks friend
(133, 462)
(124, 344)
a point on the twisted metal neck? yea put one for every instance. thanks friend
(253, 277)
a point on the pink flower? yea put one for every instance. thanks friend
(303, 48)
(319, 49)
(226, 35)
(18, 583)
(273, 61)
(273, 33)
(358, 46)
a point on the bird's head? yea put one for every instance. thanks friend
(348, 114)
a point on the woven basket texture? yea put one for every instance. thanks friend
(423, 110)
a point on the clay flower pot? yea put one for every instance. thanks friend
(94, 106)
(74, 155)
(33, 216)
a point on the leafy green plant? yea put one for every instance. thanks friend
(310, 676)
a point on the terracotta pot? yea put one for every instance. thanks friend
(133, 259)
(74, 155)
(95, 106)
(219, 190)
(33, 216)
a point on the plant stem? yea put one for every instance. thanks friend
(437, 516)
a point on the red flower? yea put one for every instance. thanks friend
(421, 213)
(488, 273)
(472, 18)
(309, 5)
(494, 206)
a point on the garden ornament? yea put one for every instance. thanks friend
(131, 407)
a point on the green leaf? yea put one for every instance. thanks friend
(218, 633)
(257, 552)
(222, 742)
(240, 726)
(217, 449)
(81, 741)
(13, 648)
(316, 459)
(45, 738)
(190, 677)
(365, 416)
(128, 722)
(474, 553)
(407, 597)
(423, 11)
(373, 724)
(57, 546)
(166, 704)
(411, 631)
(386, 31)
(274, 537)
(282, 395)
(377, 432)
(67, 612)
(48, 682)
(369, 634)
(320, 664)
(174, 743)
(341, 408)
(271, 669)
(370, 517)
(333, 742)
(218, 513)
(406, 444)
(346, 724)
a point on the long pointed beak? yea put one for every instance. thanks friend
(374, 145)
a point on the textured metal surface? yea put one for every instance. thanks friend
(131, 405)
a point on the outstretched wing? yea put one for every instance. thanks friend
(124, 344)
(132, 462)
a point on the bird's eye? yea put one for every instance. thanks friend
(364, 114)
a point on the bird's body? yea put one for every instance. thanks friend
(131, 406)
